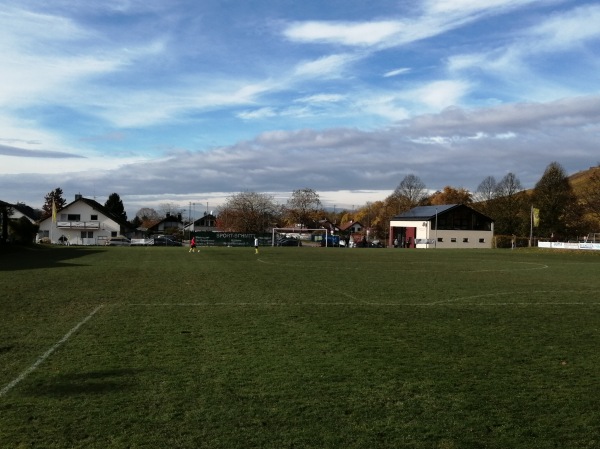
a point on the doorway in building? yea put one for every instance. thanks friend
(405, 237)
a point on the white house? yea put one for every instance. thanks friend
(444, 226)
(208, 222)
(20, 210)
(352, 227)
(82, 222)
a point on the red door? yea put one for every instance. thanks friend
(411, 233)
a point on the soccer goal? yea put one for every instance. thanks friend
(297, 231)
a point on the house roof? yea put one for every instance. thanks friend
(349, 224)
(96, 206)
(425, 212)
(328, 224)
(25, 210)
(168, 219)
(204, 218)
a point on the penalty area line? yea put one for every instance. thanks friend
(48, 353)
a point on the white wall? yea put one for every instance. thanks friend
(429, 237)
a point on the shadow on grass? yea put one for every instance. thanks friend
(14, 258)
(93, 382)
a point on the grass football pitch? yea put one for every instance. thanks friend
(299, 348)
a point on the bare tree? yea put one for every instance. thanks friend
(148, 214)
(509, 206)
(486, 191)
(170, 209)
(508, 186)
(304, 207)
(248, 212)
(410, 193)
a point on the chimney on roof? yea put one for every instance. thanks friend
(78, 196)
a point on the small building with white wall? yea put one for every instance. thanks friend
(443, 226)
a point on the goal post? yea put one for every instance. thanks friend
(297, 231)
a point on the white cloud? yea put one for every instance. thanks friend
(568, 29)
(321, 98)
(255, 114)
(396, 72)
(56, 58)
(326, 66)
(66, 73)
(440, 94)
(465, 7)
(362, 34)
(455, 147)
(557, 32)
(389, 106)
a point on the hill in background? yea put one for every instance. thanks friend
(581, 181)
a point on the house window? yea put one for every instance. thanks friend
(73, 217)
(466, 240)
(94, 218)
(481, 240)
(453, 239)
(113, 233)
(87, 234)
(440, 239)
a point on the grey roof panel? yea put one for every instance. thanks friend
(424, 212)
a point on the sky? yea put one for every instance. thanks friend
(187, 102)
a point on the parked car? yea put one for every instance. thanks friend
(163, 240)
(288, 241)
(118, 241)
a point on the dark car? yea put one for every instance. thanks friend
(289, 241)
(162, 240)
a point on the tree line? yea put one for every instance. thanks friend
(563, 213)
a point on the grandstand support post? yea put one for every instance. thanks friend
(436, 218)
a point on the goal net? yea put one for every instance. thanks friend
(295, 233)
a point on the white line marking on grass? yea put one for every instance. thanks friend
(340, 292)
(332, 265)
(47, 354)
(362, 304)
(488, 295)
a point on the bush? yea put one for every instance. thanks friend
(22, 230)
